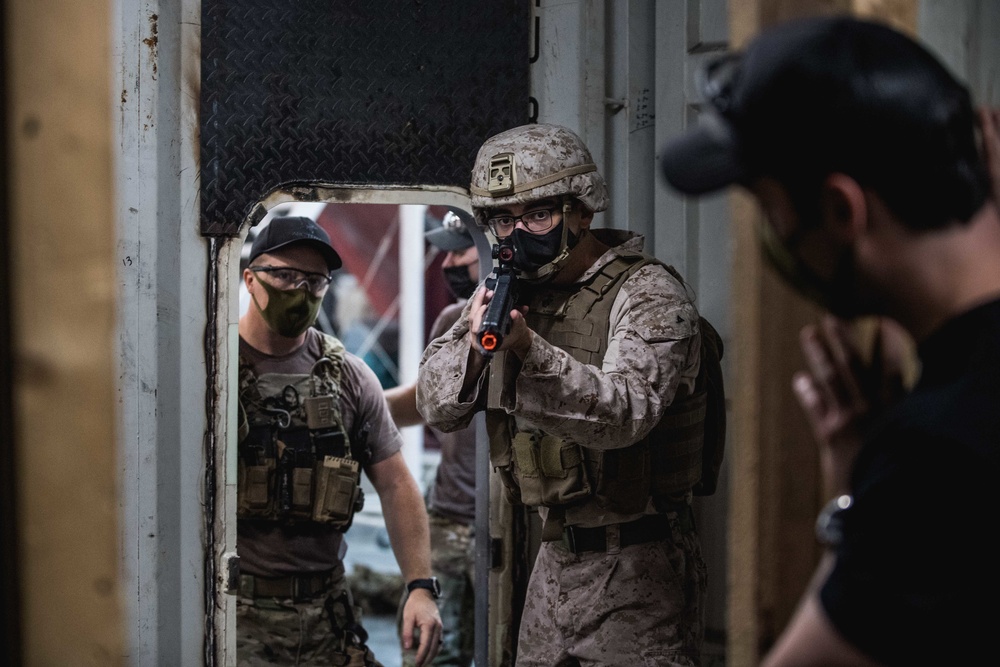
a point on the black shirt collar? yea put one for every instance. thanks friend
(970, 338)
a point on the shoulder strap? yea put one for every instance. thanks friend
(328, 373)
(247, 381)
(247, 393)
(604, 281)
(329, 370)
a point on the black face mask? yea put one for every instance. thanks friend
(460, 284)
(533, 251)
(838, 295)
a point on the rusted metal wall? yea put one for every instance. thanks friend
(163, 305)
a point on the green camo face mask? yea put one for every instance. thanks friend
(289, 313)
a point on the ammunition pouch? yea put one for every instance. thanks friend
(539, 469)
(299, 486)
(253, 489)
(338, 495)
(296, 461)
(549, 471)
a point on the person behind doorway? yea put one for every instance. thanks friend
(604, 343)
(451, 498)
(312, 418)
(860, 148)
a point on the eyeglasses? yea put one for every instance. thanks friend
(535, 221)
(287, 278)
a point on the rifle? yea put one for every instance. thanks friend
(496, 321)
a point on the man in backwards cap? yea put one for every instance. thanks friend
(312, 417)
(860, 148)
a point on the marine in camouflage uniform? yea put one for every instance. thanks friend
(619, 577)
(312, 416)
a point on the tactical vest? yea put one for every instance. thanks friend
(296, 462)
(541, 469)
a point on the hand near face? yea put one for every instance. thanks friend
(841, 394)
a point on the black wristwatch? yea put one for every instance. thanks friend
(430, 584)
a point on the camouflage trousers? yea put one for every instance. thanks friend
(453, 559)
(641, 606)
(284, 631)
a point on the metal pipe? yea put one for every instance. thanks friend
(411, 321)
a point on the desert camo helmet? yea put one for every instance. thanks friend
(533, 162)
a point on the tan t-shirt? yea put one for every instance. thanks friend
(273, 549)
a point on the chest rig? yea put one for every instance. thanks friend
(541, 469)
(296, 461)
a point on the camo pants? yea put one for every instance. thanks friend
(453, 557)
(639, 607)
(276, 631)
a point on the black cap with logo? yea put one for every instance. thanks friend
(281, 232)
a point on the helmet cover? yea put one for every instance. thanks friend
(533, 162)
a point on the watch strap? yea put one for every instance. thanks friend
(430, 584)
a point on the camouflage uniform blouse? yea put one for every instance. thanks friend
(652, 358)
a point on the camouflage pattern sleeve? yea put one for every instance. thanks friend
(441, 377)
(653, 356)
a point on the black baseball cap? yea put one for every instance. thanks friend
(826, 94)
(450, 233)
(281, 232)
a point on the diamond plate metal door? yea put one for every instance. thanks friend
(359, 92)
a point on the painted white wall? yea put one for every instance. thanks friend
(965, 34)
(162, 317)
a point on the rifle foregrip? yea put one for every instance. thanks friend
(496, 321)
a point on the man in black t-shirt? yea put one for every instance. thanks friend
(860, 148)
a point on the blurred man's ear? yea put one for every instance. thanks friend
(843, 206)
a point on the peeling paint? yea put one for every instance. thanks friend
(152, 42)
(191, 75)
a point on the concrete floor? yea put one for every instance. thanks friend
(382, 639)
